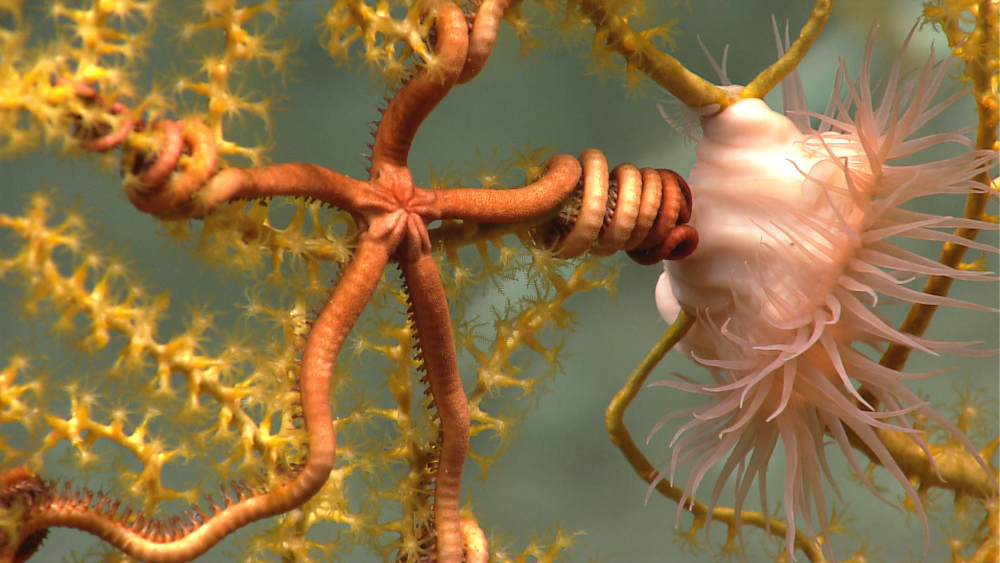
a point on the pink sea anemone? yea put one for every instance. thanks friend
(797, 232)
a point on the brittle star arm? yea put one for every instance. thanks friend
(435, 342)
(329, 332)
(512, 206)
(482, 37)
(325, 340)
(419, 96)
(292, 179)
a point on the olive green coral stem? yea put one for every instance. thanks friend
(622, 439)
(952, 466)
(691, 89)
(616, 410)
(984, 73)
(774, 74)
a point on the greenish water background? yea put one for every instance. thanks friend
(562, 467)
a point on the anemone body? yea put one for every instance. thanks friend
(798, 231)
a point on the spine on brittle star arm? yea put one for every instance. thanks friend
(155, 541)
(421, 94)
(440, 363)
(562, 172)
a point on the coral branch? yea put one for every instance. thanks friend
(689, 88)
(774, 74)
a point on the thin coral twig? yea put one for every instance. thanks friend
(774, 74)
(691, 89)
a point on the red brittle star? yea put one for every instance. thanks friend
(625, 208)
